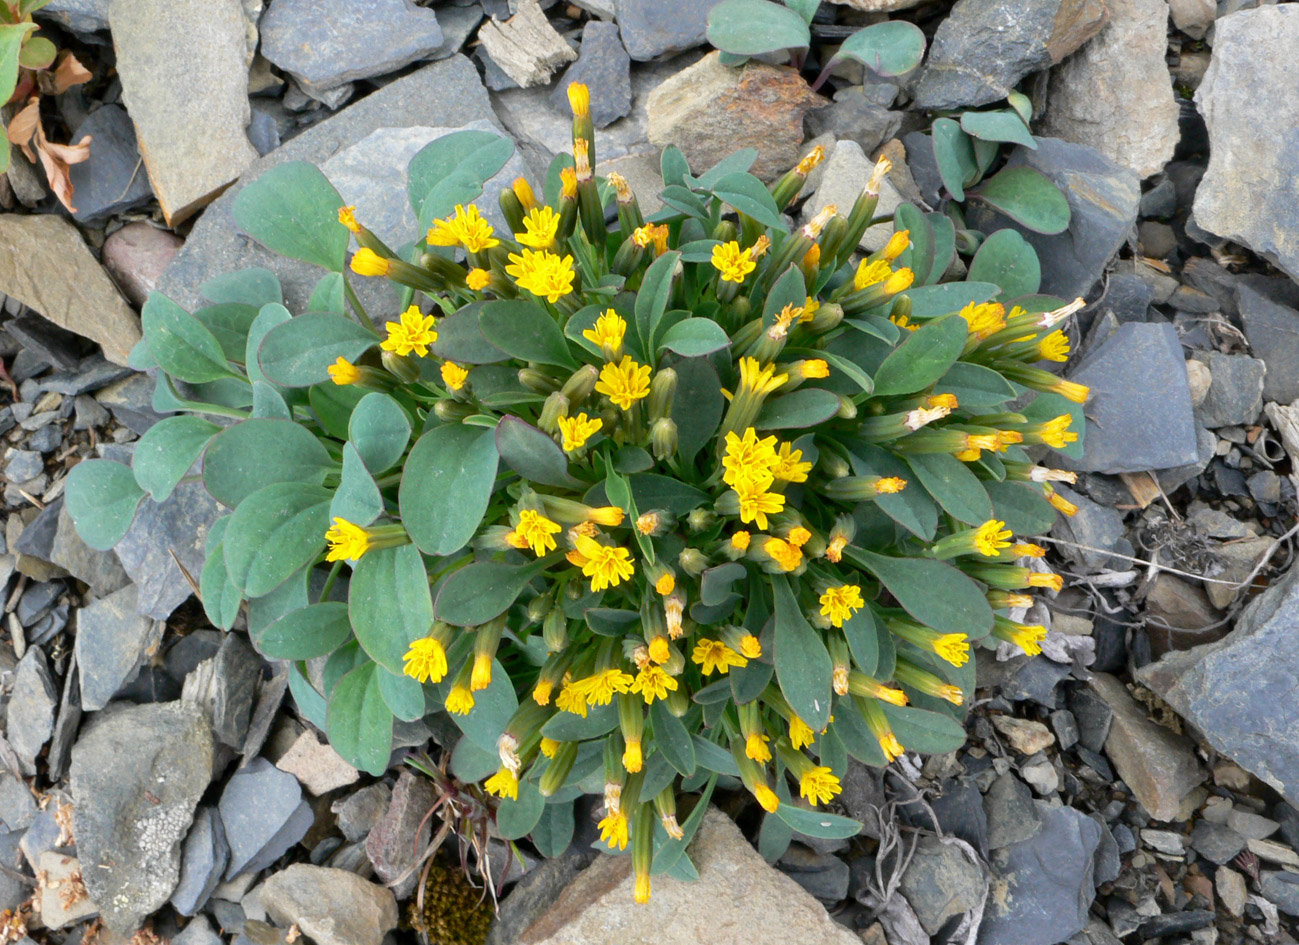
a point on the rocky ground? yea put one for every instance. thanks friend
(1138, 781)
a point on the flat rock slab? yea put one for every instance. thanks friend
(45, 265)
(737, 900)
(331, 907)
(1272, 328)
(115, 180)
(113, 641)
(652, 28)
(264, 814)
(176, 527)
(184, 71)
(1248, 192)
(327, 43)
(604, 66)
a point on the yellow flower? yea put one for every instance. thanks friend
(523, 190)
(1054, 347)
(811, 160)
(460, 700)
(478, 279)
(624, 383)
(798, 536)
(750, 646)
(343, 372)
(466, 228)
(952, 694)
(647, 523)
(748, 459)
(767, 798)
(659, 651)
(632, 757)
(347, 217)
(542, 273)
(890, 485)
(549, 747)
(891, 747)
(366, 262)
(653, 682)
(1055, 433)
(900, 281)
(641, 894)
(871, 273)
(755, 747)
(984, 319)
(819, 785)
(1027, 550)
(541, 691)
(834, 550)
(759, 380)
(1028, 637)
(1047, 580)
(568, 183)
(605, 565)
(413, 333)
(613, 830)
(1077, 393)
(788, 556)
(665, 585)
(610, 516)
(789, 466)
(577, 430)
(481, 677)
(816, 368)
(425, 661)
(839, 603)
(571, 700)
(716, 655)
(740, 540)
(579, 99)
(897, 244)
(453, 375)
(800, 733)
(991, 537)
(347, 542)
(810, 307)
(609, 331)
(756, 503)
(904, 321)
(732, 262)
(538, 531)
(953, 647)
(503, 783)
(1062, 505)
(541, 225)
(599, 688)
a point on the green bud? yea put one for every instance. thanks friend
(701, 519)
(555, 408)
(580, 385)
(663, 438)
(401, 366)
(537, 381)
(450, 411)
(539, 607)
(554, 629)
(693, 561)
(662, 390)
(556, 773)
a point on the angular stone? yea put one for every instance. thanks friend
(225, 686)
(136, 257)
(80, 16)
(854, 116)
(1094, 525)
(736, 890)
(1012, 816)
(45, 265)
(1185, 610)
(941, 882)
(114, 181)
(1235, 395)
(1272, 329)
(113, 641)
(62, 903)
(136, 778)
(1137, 367)
(1216, 843)
(316, 765)
(643, 173)
(177, 527)
(264, 814)
(1244, 100)
(846, 171)
(331, 907)
(984, 48)
(525, 47)
(710, 110)
(203, 860)
(1158, 765)
(327, 43)
(1115, 95)
(198, 931)
(395, 840)
(823, 875)
(29, 722)
(99, 569)
(651, 28)
(184, 77)
(1025, 735)
(359, 812)
(1282, 890)
(605, 67)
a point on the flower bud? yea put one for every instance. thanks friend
(663, 438)
(555, 409)
(662, 389)
(537, 381)
(700, 520)
(554, 629)
(692, 561)
(580, 385)
(401, 366)
(556, 773)
(449, 411)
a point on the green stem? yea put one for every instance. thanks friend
(358, 310)
(329, 581)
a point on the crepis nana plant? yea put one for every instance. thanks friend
(644, 504)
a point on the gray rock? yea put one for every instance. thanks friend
(23, 466)
(651, 28)
(177, 527)
(264, 815)
(30, 720)
(1235, 691)
(13, 891)
(199, 931)
(42, 835)
(317, 765)
(863, 796)
(332, 907)
(395, 840)
(443, 94)
(1282, 890)
(1251, 826)
(823, 875)
(1012, 816)
(38, 598)
(605, 67)
(59, 903)
(130, 401)
(1139, 416)
(534, 893)
(1115, 94)
(1095, 525)
(1235, 395)
(203, 860)
(960, 812)
(359, 812)
(113, 641)
(1272, 330)
(985, 47)
(67, 722)
(100, 569)
(1042, 887)
(1160, 201)
(1217, 843)
(225, 686)
(115, 180)
(457, 23)
(1065, 727)
(263, 132)
(327, 43)
(942, 882)
(136, 256)
(1093, 715)
(854, 116)
(80, 16)
(17, 806)
(1242, 99)
(184, 71)
(136, 777)
(1108, 863)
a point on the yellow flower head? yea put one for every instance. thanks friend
(953, 647)
(343, 372)
(478, 279)
(819, 785)
(1061, 504)
(811, 160)
(904, 321)
(1077, 393)
(541, 224)
(815, 369)
(800, 733)
(890, 485)
(579, 99)
(714, 655)
(599, 688)
(454, 375)
(984, 319)
(647, 523)
(665, 585)
(610, 516)
(549, 747)
(568, 183)
(504, 783)
(1055, 433)
(605, 565)
(613, 830)
(732, 262)
(788, 556)
(798, 536)
(756, 503)
(991, 537)
(425, 661)
(481, 677)
(632, 757)
(570, 699)
(1046, 579)
(651, 234)
(871, 273)
(523, 190)
(609, 331)
(834, 550)
(641, 894)
(538, 531)
(624, 383)
(840, 603)
(759, 380)
(347, 542)
(366, 262)
(466, 227)
(1054, 347)
(413, 333)
(755, 747)
(952, 694)
(541, 691)
(750, 646)
(1028, 637)
(900, 281)
(740, 540)
(810, 307)
(766, 797)
(891, 747)
(789, 466)
(897, 244)
(542, 273)
(347, 217)
(1027, 550)
(577, 430)
(460, 700)
(748, 459)
(653, 682)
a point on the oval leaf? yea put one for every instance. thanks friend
(803, 667)
(1006, 258)
(298, 352)
(167, 451)
(894, 47)
(483, 590)
(249, 455)
(750, 196)
(380, 430)
(102, 497)
(754, 27)
(274, 532)
(359, 722)
(695, 337)
(181, 344)
(292, 209)
(1028, 197)
(313, 631)
(805, 407)
(461, 339)
(533, 454)
(923, 357)
(389, 603)
(935, 593)
(445, 486)
(816, 823)
(525, 331)
(951, 483)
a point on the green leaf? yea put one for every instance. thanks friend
(952, 484)
(697, 407)
(803, 667)
(955, 155)
(249, 455)
(274, 532)
(379, 429)
(774, 838)
(292, 209)
(526, 331)
(672, 739)
(695, 337)
(713, 757)
(358, 499)
(37, 53)
(749, 195)
(891, 48)
(359, 722)
(975, 385)
(221, 599)
(667, 855)
(180, 343)
(804, 8)
(270, 315)
(754, 27)
(298, 353)
(1028, 197)
(715, 583)
(928, 301)
(466, 157)
(862, 635)
(805, 407)
(925, 731)
(611, 622)
(1022, 507)
(403, 695)
(1006, 258)
(333, 405)
(923, 357)
(944, 246)
(516, 818)
(912, 508)
(652, 299)
(267, 402)
(445, 486)
(789, 289)
(329, 294)
(102, 497)
(11, 44)
(919, 256)
(533, 454)
(673, 166)
(470, 763)
(461, 338)
(313, 631)
(483, 590)
(567, 727)
(256, 287)
(492, 709)
(390, 604)
(1004, 125)
(815, 823)
(554, 831)
(737, 162)
(229, 323)
(167, 451)
(935, 593)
